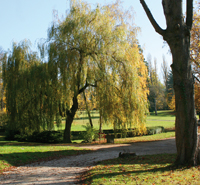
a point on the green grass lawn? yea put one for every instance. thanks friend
(154, 137)
(149, 169)
(19, 153)
(164, 118)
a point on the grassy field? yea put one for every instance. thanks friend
(149, 169)
(164, 118)
(155, 137)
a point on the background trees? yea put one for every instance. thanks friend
(156, 95)
(28, 84)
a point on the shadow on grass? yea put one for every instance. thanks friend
(22, 158)
(170, 129)
(164, 113)
(83, 118)
(142, 164)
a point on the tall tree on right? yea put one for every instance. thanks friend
(177, 35)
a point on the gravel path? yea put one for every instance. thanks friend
(65, 170)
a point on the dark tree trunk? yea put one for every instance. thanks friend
(186, 122)
(100, 121)
(88, 111)
(177, 35)
(69, 119)
(155, 107)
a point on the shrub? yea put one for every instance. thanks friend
(41, 137)
(46, 137)
(155, 130)
(76, 135)
(90, 134)
(21, 137)
(3, 119)
(10, 134)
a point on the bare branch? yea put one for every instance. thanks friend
(189, 17)
(196, 78)
(157, 28)
(86, 85)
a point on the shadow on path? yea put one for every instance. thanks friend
(65, 170)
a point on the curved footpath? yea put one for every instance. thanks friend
(65, 171)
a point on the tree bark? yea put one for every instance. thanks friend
(100, 121)
(88, 111)
(71, 113)
(155, 107)
(69, 119)
(199, 116)
(177, 35)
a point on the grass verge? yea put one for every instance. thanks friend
(148, 169)
(156, 137)
(15, 154)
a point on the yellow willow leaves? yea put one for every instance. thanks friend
(195, 41)
(195, 54)
(31, 90)
(197, 96)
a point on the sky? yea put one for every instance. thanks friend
(30, 19)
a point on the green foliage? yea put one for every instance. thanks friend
(31, 93)
(156, 96)
(40, 137)
(10, 134)
(91, 134)
(155, 130)
(47, 137)
(3, 121)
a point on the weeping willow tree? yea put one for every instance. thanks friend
(31, 97)
(97, 48)
(122, 95)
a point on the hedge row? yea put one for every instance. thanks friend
(120, 133)
(40, 137)
(57, 136)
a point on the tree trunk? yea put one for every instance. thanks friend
(177, 35)
(155, 107)
(199, 116)
(178, 39)
(186, 122)
(87, 108)
(100, 121)
(69, 119)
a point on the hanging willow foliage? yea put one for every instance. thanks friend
(31, 90)
(98, 48)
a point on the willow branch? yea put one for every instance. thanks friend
(157, 28)
(85, 86)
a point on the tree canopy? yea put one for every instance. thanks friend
(98, 48)
(31, 99)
